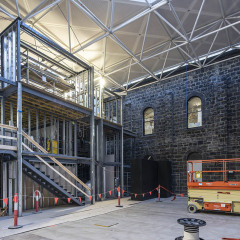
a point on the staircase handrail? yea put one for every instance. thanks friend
(45, 151)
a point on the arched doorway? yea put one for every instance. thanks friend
(197, 177)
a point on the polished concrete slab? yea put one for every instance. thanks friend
(136, 220)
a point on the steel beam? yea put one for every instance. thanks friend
(196, 21)
(145, 34)
(6, 12)
(184, 32)
(214, 31)
(143, 13)
(50, 8)
(34, 11)
(53, 45)
(120, 43)
(112, 35)
(170, 25)
(48, 59)
(215, 37)
(16, 2)
(69, 27)
(55, 99)
(112, 14)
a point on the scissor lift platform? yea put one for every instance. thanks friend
(214, 185)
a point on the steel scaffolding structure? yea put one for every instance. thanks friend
(47, 105)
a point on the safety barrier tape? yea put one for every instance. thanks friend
(99, 195)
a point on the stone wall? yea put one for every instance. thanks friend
(219, 136)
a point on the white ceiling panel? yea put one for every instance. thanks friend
(128, 40)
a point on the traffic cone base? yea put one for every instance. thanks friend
(15, 227)
(119, 206)
(37, 212)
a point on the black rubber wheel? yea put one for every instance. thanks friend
(192, 208)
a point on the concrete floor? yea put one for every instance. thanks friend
(136, 220)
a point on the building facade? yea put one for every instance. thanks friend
(194, 115)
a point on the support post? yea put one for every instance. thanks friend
(2, 60)
(67, 136)
(99, 155)
(121, 149)
(45, 130)
(75, 138)
(64, 137)
(51, 133)
(11, 120)
(57, 135)
(92, 137)
(4, 181)
(101, 101)
(37, 126)
(19, 121)
(25, 192)
(3, 118)
(70, 138)
(10, 185)
(29, 124)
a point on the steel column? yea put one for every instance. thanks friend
(121, 148)
(45, 130)
(51, 133)
(57, 135)
(70, 138)
(29, 124)
(37, 126)
(92, 136)
(19, 121)
(3, 118)
(75, 138)
(63, 137)
(10, 187)
(4, 181)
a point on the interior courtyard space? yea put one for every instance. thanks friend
(135, 220)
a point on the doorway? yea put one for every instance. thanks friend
(197, 177)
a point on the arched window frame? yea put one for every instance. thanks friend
(144, 121)
(198, 114)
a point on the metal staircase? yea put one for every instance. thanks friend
(41, 177)
(44, 180)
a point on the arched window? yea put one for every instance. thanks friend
(148, 121)
(194, 156)
(194, 112)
